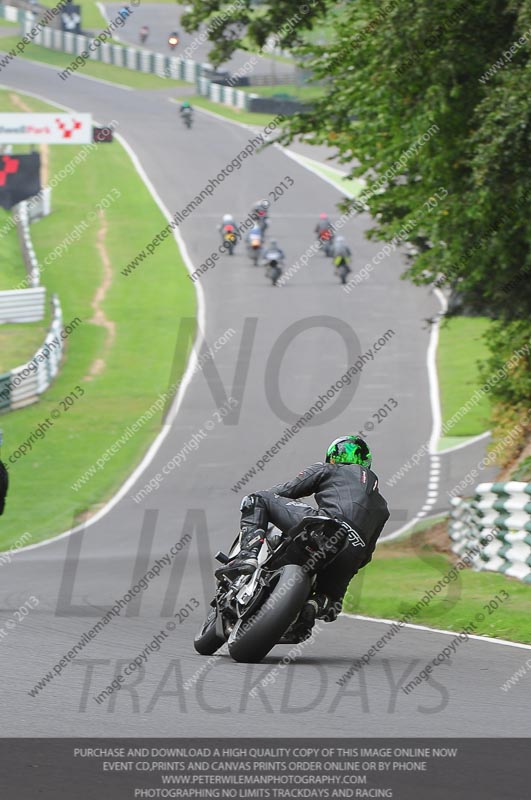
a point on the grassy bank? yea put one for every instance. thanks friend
(461, 346)
(229, 112)
(303, 93)
(403, 571)
(120, 355)
(12, 271)
(18, 343)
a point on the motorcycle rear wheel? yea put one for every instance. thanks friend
(252, 639)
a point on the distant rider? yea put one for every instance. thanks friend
(227, 224)
(259, 213)
(255, 236)
(341, 253)
(272, 252)
(324, 227)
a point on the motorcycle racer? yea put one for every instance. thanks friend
(345, 488)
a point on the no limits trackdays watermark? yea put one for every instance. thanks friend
(144, 693)
(189, 447)
(450, 576)
(206, 355)
(140, 586)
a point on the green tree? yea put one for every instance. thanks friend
(429, 103)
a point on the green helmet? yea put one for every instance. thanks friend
(185, 104)
(349, 450)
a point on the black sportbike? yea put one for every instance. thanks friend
(273, 271)
(253, 613)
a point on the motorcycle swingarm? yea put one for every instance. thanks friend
(262, 584)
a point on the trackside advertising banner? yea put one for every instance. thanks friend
(29, 128)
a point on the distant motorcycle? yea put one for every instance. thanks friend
(143, 34)
(173, 41)
(326, 241)
(259, 215)
(186, 114)
(255, 248)
(229, 241)
(342, 270)
(273, 259)
(273, 271)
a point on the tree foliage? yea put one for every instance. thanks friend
(393, 71)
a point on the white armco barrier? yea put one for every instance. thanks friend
(22, 305)
(503, 510)
(30, 380)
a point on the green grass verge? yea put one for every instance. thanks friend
(146, 309)
(19, 343)
(461, 346)
(6, 23)
(403, 571)
(447, 442)
(13, 271)
(229, 112)
(303, 93)
(353, 186)
(94, 69)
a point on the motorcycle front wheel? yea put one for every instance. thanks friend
(253, 637)
(207, 640)
(343, 272)
(274, 275)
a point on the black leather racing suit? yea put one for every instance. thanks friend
(347, 491)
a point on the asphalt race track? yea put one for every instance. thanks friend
(91, 569)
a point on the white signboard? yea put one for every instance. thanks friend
(33, 128)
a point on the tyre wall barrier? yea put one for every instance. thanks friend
(504, 511)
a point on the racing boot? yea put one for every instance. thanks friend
(246, 561)
(320, 606)
(302, 628)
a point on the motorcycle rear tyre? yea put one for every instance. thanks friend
(262, 631)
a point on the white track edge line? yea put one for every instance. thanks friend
(488, 639)
(472, 440)
(186, 378)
